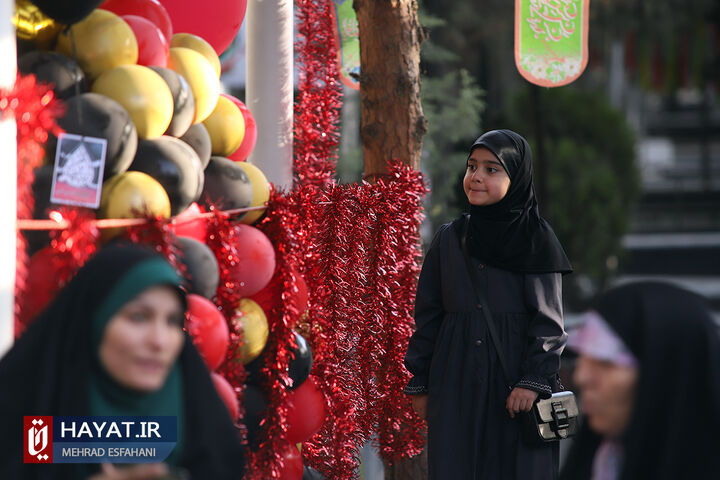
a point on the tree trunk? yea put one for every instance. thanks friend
(392, 122)
(392, 125)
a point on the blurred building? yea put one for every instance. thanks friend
(675, 228)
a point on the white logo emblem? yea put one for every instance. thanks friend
(37, 436)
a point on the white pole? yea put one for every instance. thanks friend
(269, 90)
(8, 181)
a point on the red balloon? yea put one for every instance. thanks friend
(152, 45)
(217, 23)
(150, 9)
(272, 293)
(208, 329)
(255, 262)
(188, 223)
(227, 394)
(250, 138)
(292, 468)
(306, 412)
(41, 284)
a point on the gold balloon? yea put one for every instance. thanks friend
(143, 93)
(198, 73)
(251, 319)
(131, 195)
(200, 45)
(33, 25)
(226, 127)
(102, 40)
(260, 191)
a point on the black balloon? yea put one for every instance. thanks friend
(198, 138)
(227, 186)
(67, 11)
(183, 102)
(255, 405)
(299, 366)
(201, 267)
(252, 369)
(300, 362)
(95, 115)
(174, 165)
(65, 75)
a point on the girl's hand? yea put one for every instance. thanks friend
(520, 400)
(419, 404)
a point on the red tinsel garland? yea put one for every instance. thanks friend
(222, 240)
(157, 233)
(397, 242)
(280, 224)
(317, 110)
(361, 266)
(77, 242)
(35, 109)
(71, 248)
(359, 251)
(337, 285)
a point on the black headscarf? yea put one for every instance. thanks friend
(51, 366)
(510, 234)
(674, 428)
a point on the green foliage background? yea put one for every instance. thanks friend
(592, 177)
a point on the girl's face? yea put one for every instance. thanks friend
(143, 339)
(486, 182)
(607, 394)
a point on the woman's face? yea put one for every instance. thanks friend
(607, 394)
(486, 182)
(143, 339)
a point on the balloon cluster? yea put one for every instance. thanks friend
(172, 139)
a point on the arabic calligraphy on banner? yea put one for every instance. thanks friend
(347, 39)
(551, 40)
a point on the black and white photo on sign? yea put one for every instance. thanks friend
(78, 172)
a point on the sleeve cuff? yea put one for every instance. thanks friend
(416, 386)
(537, 384)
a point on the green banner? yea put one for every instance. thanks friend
(348, 41)
(551, 40)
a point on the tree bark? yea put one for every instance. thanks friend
(392, 125)
(392, 122)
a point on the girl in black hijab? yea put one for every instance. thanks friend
(458, 384)
(78, 359)
(649, 381)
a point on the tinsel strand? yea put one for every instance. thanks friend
(317, 110)
(335, 309)
(222, 240)
(280, 224)
(34, 108)
(157, 234)
(398, 249)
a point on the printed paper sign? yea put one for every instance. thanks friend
(348, 43)
(551, 40)
(78, 173)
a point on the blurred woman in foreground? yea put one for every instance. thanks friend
(648, 375)
(112, 343)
